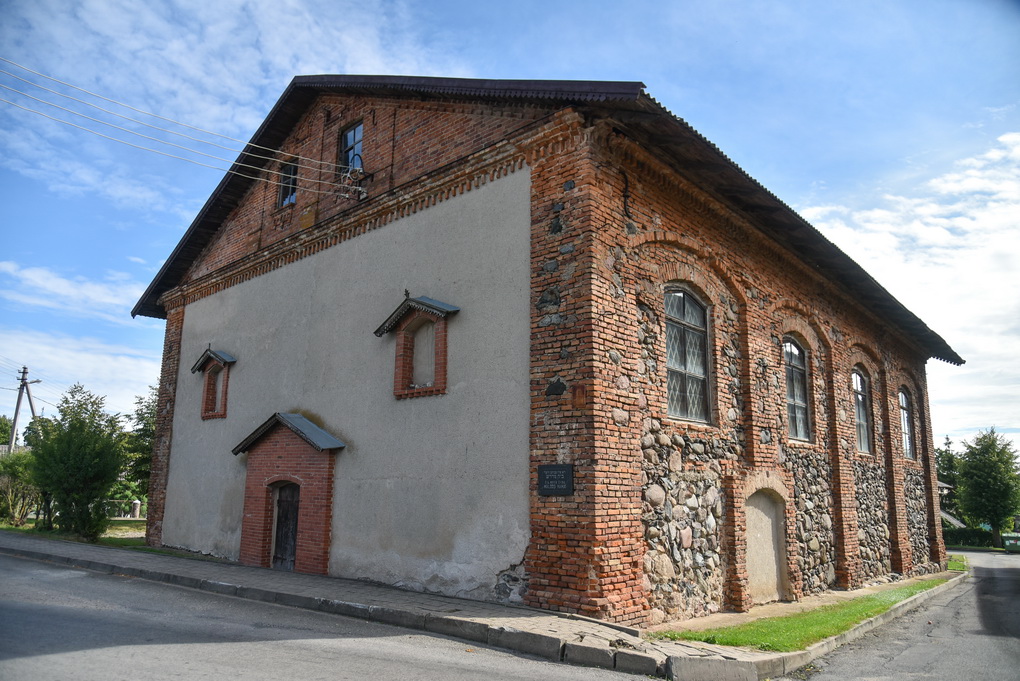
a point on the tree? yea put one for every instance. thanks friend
(78, 460)
(989, 482)
(37, 430)
(141, 439)
(947, 463)
(18, 494)
(5, 429)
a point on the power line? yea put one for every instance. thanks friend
(162, 118)
(163, 153)
(148, 137)
(322, 165)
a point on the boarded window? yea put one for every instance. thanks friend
(424, 370)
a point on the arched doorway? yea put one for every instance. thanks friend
(766, 546)
(285, 520)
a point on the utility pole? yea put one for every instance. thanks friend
(23, 389)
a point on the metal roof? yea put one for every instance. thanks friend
(632, 111)
(216, 356)
(305, 429)
(427, 304)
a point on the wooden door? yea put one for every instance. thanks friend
(285, 540)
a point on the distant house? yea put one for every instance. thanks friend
(532, 341)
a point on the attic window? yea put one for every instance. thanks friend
(350, 148)
(215, 368)
(420, 325)
(288, 185)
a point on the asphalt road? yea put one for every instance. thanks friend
(969, 633)
(69, 624)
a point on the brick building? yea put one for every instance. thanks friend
(532, 341)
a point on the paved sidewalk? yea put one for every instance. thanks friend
(566, 638)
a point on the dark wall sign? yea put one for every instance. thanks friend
(556, 480)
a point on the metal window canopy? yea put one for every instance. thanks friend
(218, 356)
(435, 307)
(315, 436)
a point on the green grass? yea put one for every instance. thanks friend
(798, 631)
(974, 548)
(115, 537)
(118, 534)
(957, 563)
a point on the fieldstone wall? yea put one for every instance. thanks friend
(917, 515)
(683, 517)
(812, 493)
(511, 586)
(872, 519)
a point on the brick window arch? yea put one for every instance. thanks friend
(215, 368)
(420, 326)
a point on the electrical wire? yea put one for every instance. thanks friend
(322, 165)
(146, 113)
(163, 153)
(148, 137)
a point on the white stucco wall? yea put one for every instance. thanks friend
(432, 492)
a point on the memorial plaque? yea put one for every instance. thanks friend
(556, 480)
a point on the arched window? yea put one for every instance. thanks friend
(686, 356)
(796, 389)
(907, 424)
(862, 408)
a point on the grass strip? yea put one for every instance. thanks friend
(115, 534)
(798, 631)
(957, 563)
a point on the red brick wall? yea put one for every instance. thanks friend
(403, 140)
(278, 458)
(403, 372)
(655, 227)
(585, 554)
(167, 398)
(610, 226)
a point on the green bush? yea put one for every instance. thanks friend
(78, 460)
(967, 536)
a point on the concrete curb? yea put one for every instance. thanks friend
(781, 664)
(527, 642)
(740, 667)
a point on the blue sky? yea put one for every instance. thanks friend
(892, 126)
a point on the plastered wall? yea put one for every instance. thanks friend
(431, 493)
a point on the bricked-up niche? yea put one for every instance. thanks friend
(420, 328)
(215, 368)
(288, 449)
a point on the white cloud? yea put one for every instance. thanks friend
(110, 300)
(950, 252)
(219, 66)
(118, 372)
